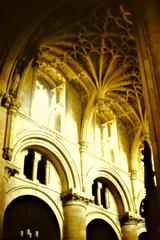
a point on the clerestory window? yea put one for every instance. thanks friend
(48, 104)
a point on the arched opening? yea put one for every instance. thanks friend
(106, 195)
(142, 236)
(99, 229)
(29, 216)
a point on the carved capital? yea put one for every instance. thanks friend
(84, 146)
(134, 174)
(6, 100)
(101, 105)
(7, 153)
(130, 218)
(71, 196)
(9, 102)
(14, 106)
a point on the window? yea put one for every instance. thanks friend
(41, 103)
(101, 194)
(48, 104)
(36, 167)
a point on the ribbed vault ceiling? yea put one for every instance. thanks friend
(96, 52)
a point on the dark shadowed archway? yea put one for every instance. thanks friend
(30, 214)
(99, 229)
(143, 236)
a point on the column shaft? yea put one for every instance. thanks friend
(74, 222)
(47, 176)
(74, 217)
(129, 225)
(99, 187)
(2, 196)
(35, 166)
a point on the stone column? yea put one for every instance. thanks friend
(12, 107)
(74, 208)
(83, 153)
(129, 225)
(7, 169)
(37, 158)
(107, 202)
(47, 176)
(99, 188)
(134, 188)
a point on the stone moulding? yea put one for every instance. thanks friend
(72, 196)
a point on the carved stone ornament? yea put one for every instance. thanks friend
(15, 83)
(10, 169)
(6, 100)
(14, 105)
(129, 216)
(72, 196)
(9, 102)
(7, 153)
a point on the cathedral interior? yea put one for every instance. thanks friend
(80, 120)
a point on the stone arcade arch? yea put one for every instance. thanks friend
(100, 229)
(119, 191)
(22, 191)
(115, 183)
(112, 227)
(51, 146)
(29, 215)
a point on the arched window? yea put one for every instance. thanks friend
(39, 168)
(101, 194)
(36, 166)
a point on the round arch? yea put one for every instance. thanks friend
(91, 216)
(26, 208)
(14, 193)
(53, 147)
(115, 183)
